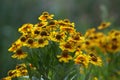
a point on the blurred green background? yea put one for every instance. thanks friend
(85, 14)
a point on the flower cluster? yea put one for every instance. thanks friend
(18, 72)
(73, 45)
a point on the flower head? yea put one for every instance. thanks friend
(65, 57)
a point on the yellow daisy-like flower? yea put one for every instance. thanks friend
(90, 32)
(12, 73)
(21, 70)
(65, 57)
(57, 36)
(44, 33)
(31, 43)
(76, 38)
(7, 78)
(41, 42)
(104, 25)
(26, 28)
(19, 54)
(52, 25)
(23, 39)
(41, 24)
(113, 47)
(78, 52)
(45, 16)
(36, 32)
(95, 60)
(15, 46)
(70, 30)
(67, 46)
(20, 66)
(82, 59)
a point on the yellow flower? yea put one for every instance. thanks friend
(57, 36)
(89, 32)
(20, 66)
(52, 25)
(41, 24)
(21, 70)
(65, 57)
(70, 30)
(44, 33)
(12, 73)
(82, 59)
(95, 60)
(104, 25)
(26, 28)
(19, 54)
(45, 16)
(76, 38)
(41, 42)
(23, 39)
(31, 43)
(78, 52)
(7, 78)
(113, 47)
(67, 46)
(15, 46)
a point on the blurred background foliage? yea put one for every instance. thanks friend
(85, 14)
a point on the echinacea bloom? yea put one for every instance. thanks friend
(45, 16)
(19, 54)
(104, 25)
(82, 59)
(65, 57)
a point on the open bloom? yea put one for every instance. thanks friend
(104, 25)
(82, 59)
(19, 54)
(65, 57)
(95, 60)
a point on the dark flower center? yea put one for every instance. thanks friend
(40, 41)
(36, 32)
(43, 33)
(58, 37)
(23, 39)
(19, 52)
(30, 41)
(67, 45)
